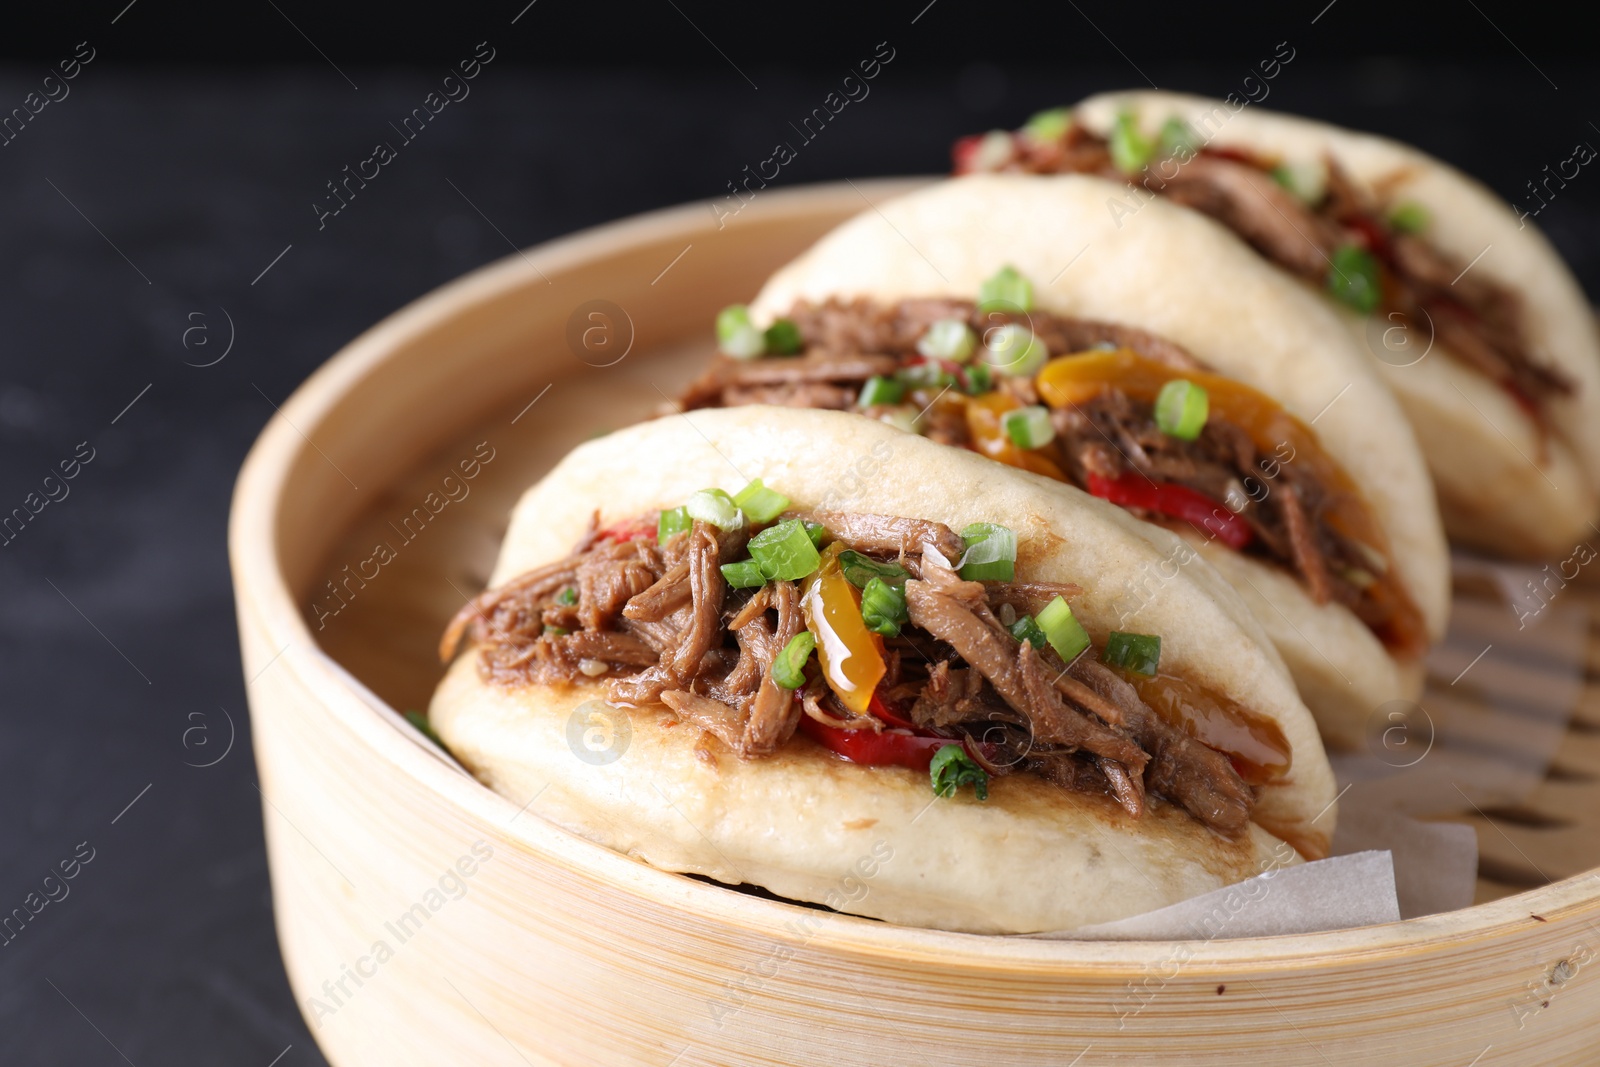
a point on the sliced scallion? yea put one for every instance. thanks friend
(716, 507)
(816, 531)
(952, 768)
(1025, 629)
(556, 631)
(991, 554)
(1353, 278)
(929, 375)
(1182, 408)
(672, 521)
(979, 379)
(782, 338)
(949, 339)
(745, 574)
(789, 666)
(1029, 427)
(879, 390)
(759, 503)
(1307, 180)
(903, 417)
(1130, 149)
(1005, 290)
(1047, 126)
(784, 552)
(883, 608)
(1063, 630)
(1409, 217)
(860, 569)
(737, 336)
(1139, 653)
(994, 151)
(420, 722)
(1177, 136)
(569, 596)
(1358, 577)
(1013, 349)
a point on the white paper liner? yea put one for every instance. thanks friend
(1354, 890)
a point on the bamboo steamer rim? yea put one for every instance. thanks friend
(253, 536)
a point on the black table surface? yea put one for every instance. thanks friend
(149, 207)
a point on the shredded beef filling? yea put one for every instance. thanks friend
(1110, 436)
(657, 625)
(847, 343)
(1478, 320)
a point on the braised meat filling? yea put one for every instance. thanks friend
(913, 663)
(1252, 476)
(1311, 220)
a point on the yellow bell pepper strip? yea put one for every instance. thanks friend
(851, 656)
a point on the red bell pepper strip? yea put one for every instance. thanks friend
(628, 530)
(1133, 490)
(962, 152)
(1373, 233)
(880, 709)
(904, 745)
(876, 748)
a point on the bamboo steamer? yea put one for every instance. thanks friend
(427, 920)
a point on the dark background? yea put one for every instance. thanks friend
(187, 156)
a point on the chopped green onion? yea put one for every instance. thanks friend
(1029, 427)
(782, 338)
(745, 574)
(785, 552)
(556, 631)
(1014, 350)
(1410, 217)
(788, 666)
(880, 390)
(1139, 653)
(883, 608)
(1353, 278)
(952, 768)
(1130, 149)
(1177, 136)
(1025, 629)
(1377, 562)
(991, 554)
(994, 151)
(816, 531)
(1051, 125)
(730, 319)
(569, 596)
(949, 339)
(674, 521)
(902, 418)
(716, 507)
(423, 726)
(1182, 408)
(1005, 290)
(860, 569)
(929, 375)
(1307, 180)
(760, 503)
(979, 379)
(1356, 576)
(1063, 630)
(737, 336)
